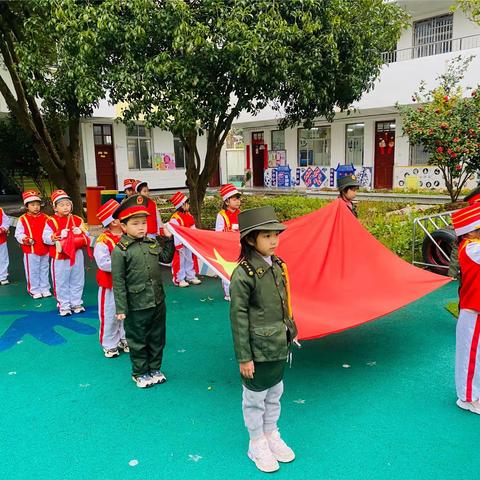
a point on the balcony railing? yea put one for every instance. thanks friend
(435, 48)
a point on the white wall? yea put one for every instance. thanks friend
(162, 142)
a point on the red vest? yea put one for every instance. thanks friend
(57, 224)
(33, 226)
(104, 279)
(470, 286)
(3, 235)
(152, 224)
(230, 218)
(185, 219)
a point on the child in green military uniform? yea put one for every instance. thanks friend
(263, 329)
(348, 187)
(138, 290)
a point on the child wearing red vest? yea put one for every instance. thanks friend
(128, 187)
(28, 233)
(227, 219)
(112, 333)
(68, 274)
(466, 223)
(154, 221)
(185, 264)
(4, 226)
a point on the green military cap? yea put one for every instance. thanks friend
(473, 196)
(261, 218)
(134, 205)
(347, 182)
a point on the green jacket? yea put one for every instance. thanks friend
(259, 311)
(136, 273)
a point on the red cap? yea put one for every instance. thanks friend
(106, 211)
(178, 199)
(31, 196)
(58, 195)
(128, 183)
(228, 190)
(137, 185)
(467, 219)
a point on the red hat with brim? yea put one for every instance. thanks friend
(58, 195)
(466, 220)
(106, 211)
(31, 196)
(228, 190)
(178, 199)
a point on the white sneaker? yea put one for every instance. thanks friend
(194, 281)
(36, 296)
(4, 282)
(111, 352)
(123, 345)
(78, 309)
(143, 381)
(182, 284)
(158, 377)
(473, 407)
(227, 298)
(281, 451)
(64, 312)
(260, 453)
(46, 294)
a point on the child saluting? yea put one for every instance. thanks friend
(138, 290)
(263, 329)
(227, 219)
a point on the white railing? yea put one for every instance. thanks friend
(435, 48)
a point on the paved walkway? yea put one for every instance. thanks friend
(373, 403)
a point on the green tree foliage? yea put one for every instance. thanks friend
(447, 124)
(192, 66)
(471, 8)
(49, 86)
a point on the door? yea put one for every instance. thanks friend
(104, 158)
(384, 154)
(258, 158)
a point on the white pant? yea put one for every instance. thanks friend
(3, 261)
(261, 410)
(36, 273)
(467, 361)
(111, 330)
(68, 281)
(226, 288)
(182, 265)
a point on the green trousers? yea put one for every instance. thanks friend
(145, 333)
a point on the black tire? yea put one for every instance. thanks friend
(445, 237)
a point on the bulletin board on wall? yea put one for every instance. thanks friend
(164, 161)
(277, 158)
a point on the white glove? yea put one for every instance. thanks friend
(77, 230)
(64, 233)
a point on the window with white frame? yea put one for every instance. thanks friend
(354, 144)
(139, 147)
(433, 36)
(314, 146)
(278, 140)
(418, 155)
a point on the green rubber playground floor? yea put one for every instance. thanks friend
(375, 402)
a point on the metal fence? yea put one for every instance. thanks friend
(434, 48)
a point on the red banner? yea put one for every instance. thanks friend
(341, 276)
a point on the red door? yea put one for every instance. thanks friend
(258, 158)
(104, 158)
(384, 154)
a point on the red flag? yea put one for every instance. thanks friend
(68, 246)
(341, 276)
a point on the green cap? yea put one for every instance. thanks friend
(134, 205)
(347, 182)
(261, 218)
